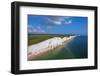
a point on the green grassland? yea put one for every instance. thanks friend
(36, 38)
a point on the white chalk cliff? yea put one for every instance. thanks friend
(47, 45)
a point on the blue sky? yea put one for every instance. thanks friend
(42, 24)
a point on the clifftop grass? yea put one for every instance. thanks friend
(36, 38)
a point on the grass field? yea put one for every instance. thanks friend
(36, 38)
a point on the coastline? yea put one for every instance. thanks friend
(43, 48)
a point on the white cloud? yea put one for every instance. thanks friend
(68, 22)
(43, 31)
(54, 21)
(59, 20)
(37, 29)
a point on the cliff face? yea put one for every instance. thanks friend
(46, 45)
